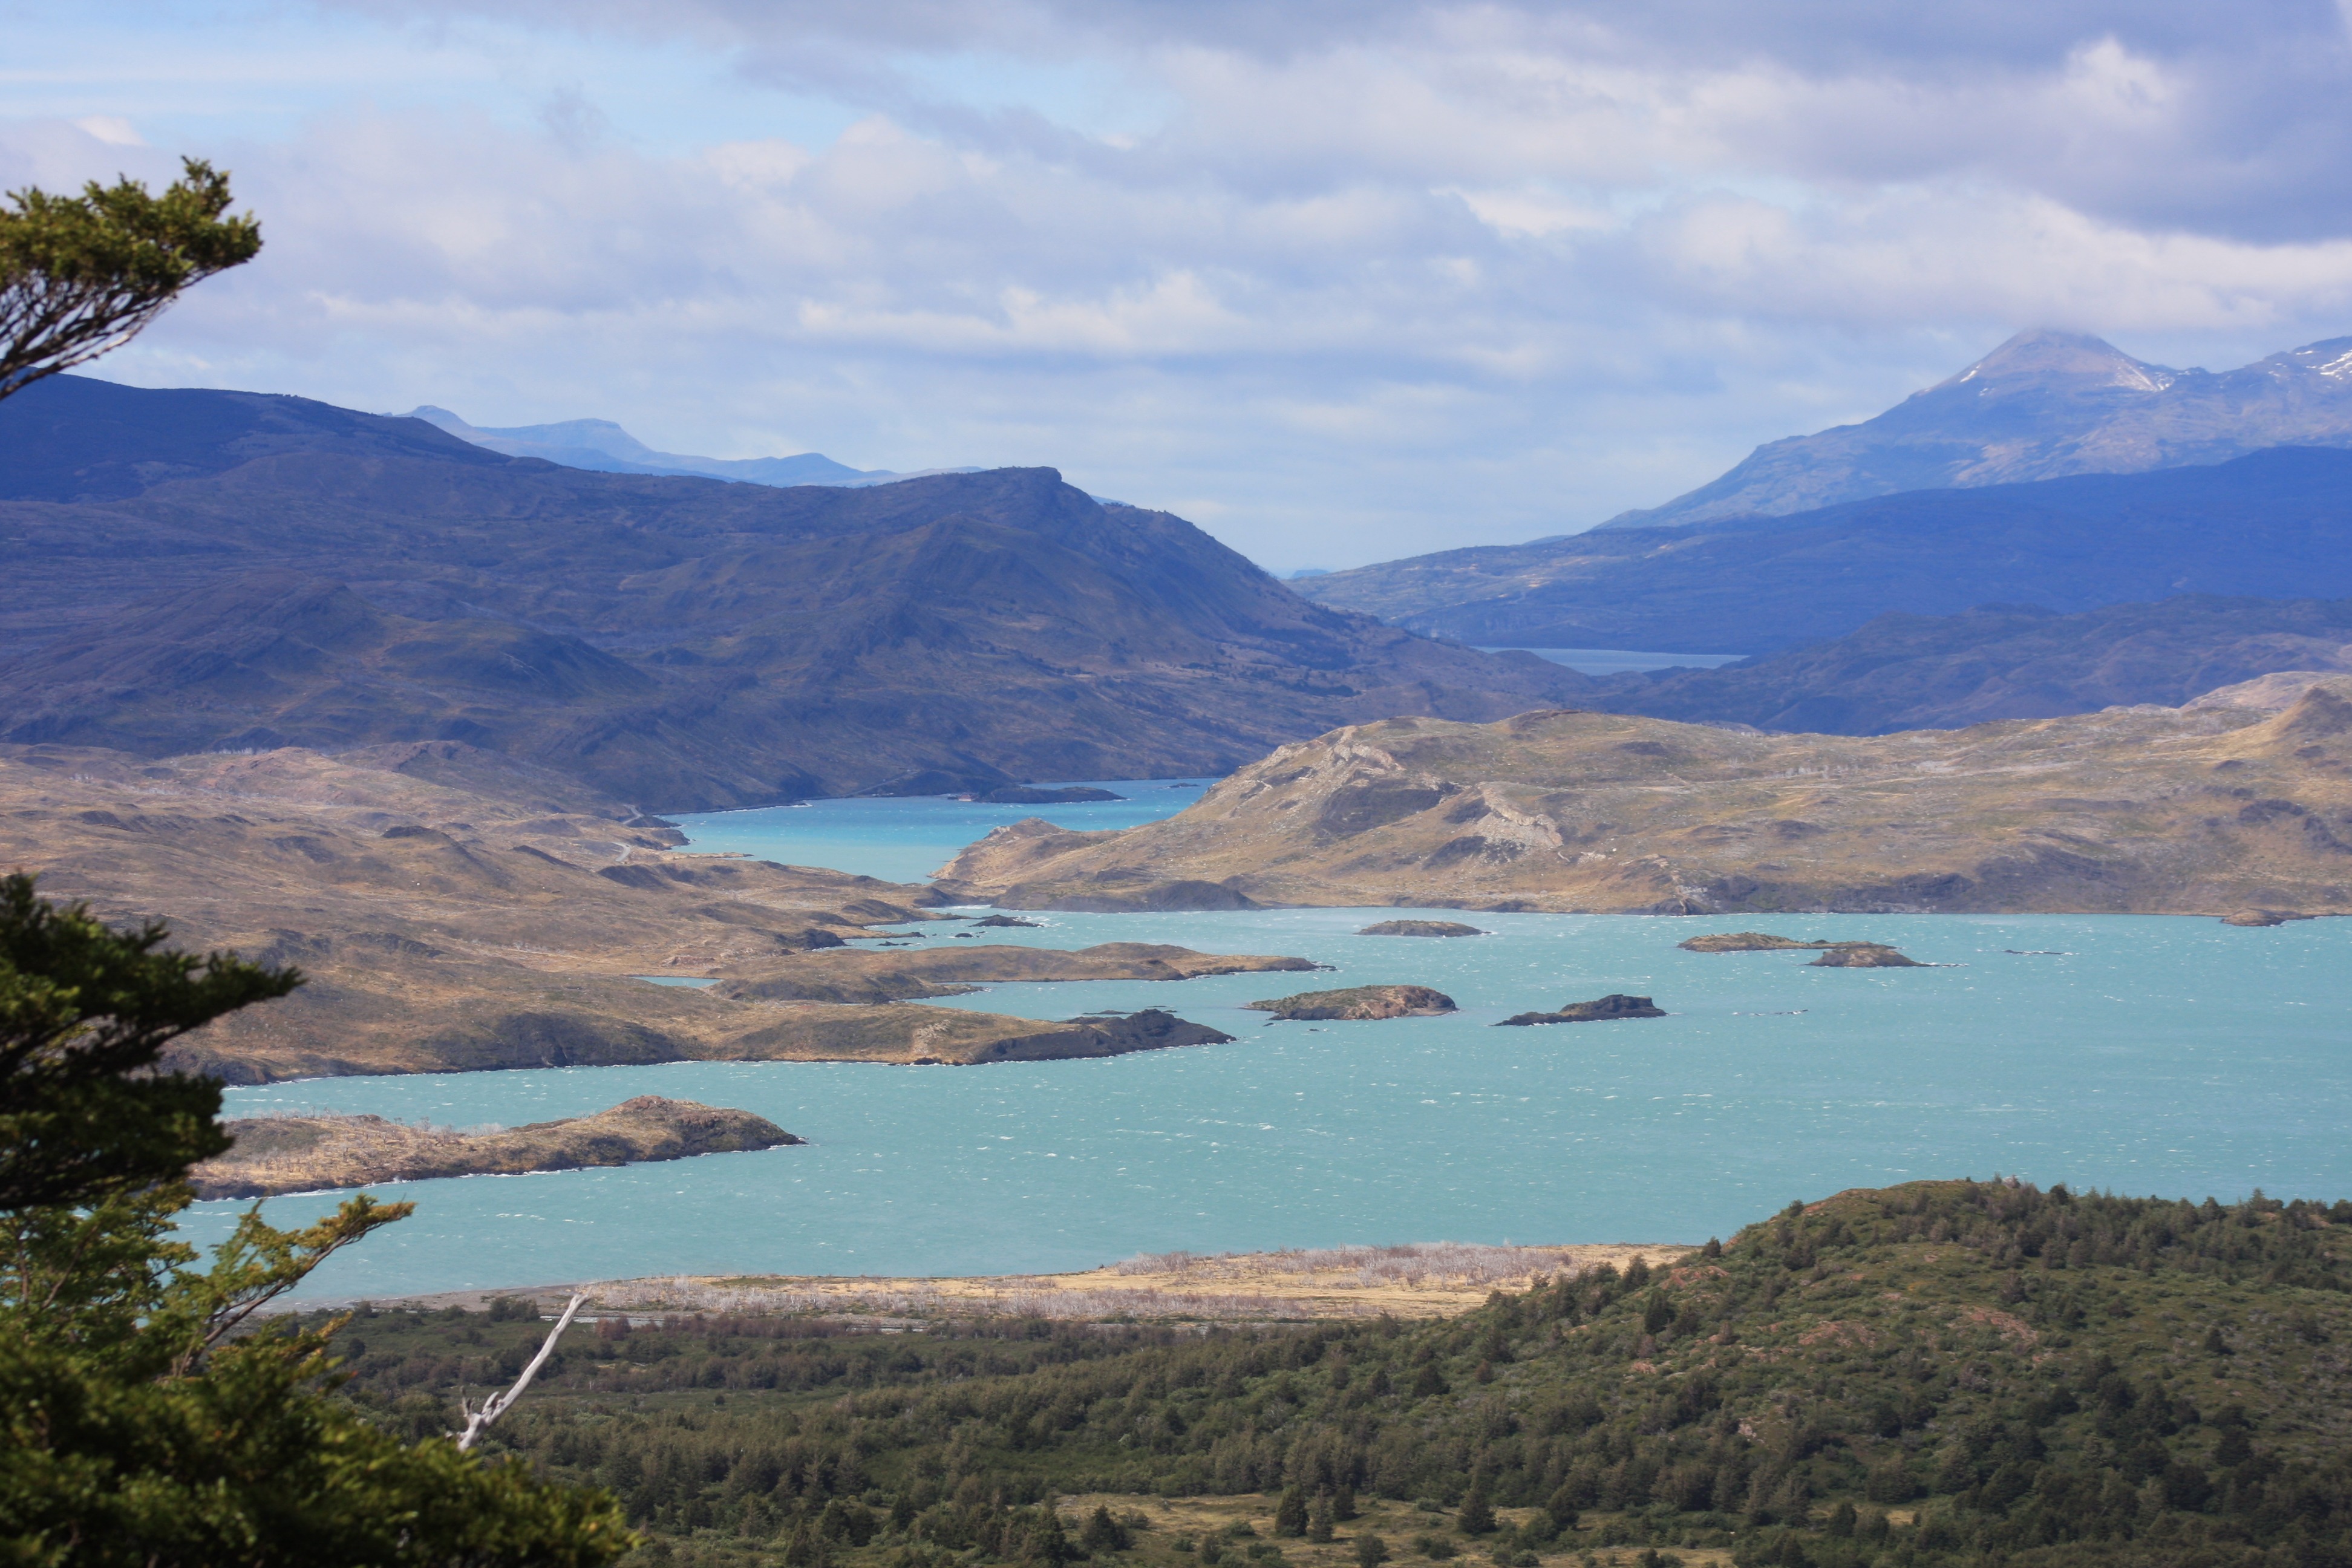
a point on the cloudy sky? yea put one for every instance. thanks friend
(1338, 279)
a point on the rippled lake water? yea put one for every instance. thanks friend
(2141, 1053)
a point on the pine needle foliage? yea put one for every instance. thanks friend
(82, 275)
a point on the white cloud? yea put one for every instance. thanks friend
(1358, 279)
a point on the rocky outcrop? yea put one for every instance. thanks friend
(1616, 1005)
(1352, 1002)
(1864, 955)
(1746, 942)
(1420, 928)
(307, 1153)
(1833, 955)
(2261, 918)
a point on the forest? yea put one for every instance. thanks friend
(1953, 1372)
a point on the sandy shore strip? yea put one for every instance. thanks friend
(1429, 1280)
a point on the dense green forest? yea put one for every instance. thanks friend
(1942, 1372)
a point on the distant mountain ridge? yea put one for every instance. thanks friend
(2272, 524)
(2044, 405)
(193, 570)
(2003, 662)
(601, 447)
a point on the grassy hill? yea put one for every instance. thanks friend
(2153, 810)
(1962, 1372)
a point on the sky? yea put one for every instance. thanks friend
(1341, 281)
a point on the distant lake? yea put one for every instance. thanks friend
(906, 839)
(2141, 1053)
(1623, 660)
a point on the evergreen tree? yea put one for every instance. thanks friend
(1319, 1520)
(1290, 1515)
(145, 1421)
(1370, 1551)
(1103, 1534)
(1478, 1517)
(81, 275)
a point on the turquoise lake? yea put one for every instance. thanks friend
(2145, 1054)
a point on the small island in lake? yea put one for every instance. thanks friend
(304, 1153)
(1864, 955)
(1352, 1002)
(1029, 795)
(1833, 955)
(1420, 928)
(1616, 1005)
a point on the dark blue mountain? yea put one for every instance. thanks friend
(2273, 524)
(187, 571)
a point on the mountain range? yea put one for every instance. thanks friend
(2043, 406)
(195, 571)
(603, 447)
(2272, 524)
(2001, 661)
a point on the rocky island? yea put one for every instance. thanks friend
(1352, 1002)
(2194, 810)
(1616, 1005)
(854, 975)
(306, 1153)
(1420, 928)
(1833, 955)
(1865, 955)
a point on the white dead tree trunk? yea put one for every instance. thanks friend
(498, 1403)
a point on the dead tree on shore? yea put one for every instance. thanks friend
(498, 1405)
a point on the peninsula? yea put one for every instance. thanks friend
(2215, 807)
(306, 1153)
(455, 910)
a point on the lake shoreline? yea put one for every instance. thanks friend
(1428, 1279)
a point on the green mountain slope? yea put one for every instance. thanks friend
(1953, 1373)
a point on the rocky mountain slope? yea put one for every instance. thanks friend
(2043, 405)
(2275, 524)
(193, 570)
(1910, 672)
(2208, 809)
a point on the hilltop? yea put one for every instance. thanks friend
(200, 571)
(2203, 809)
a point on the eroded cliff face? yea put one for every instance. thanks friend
(2204, 809)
